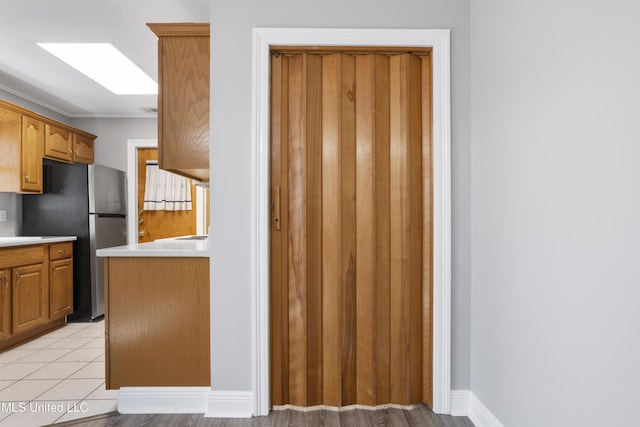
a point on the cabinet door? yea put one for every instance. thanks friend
(9, 151)
(5, 304)
(58, 143)
(82, 149)
(32, 149)
(28, 297)
(183, 139)
(60, 288)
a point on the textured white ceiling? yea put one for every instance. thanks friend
(27, 70)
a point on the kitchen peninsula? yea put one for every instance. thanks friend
(157, 314)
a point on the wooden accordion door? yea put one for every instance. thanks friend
(351, 229)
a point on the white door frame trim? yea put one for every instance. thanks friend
(439, 41)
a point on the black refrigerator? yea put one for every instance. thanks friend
(89, 202)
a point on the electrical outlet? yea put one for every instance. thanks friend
(3, 215)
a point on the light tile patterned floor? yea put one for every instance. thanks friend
(57, 377)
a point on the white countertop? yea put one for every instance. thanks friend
(170, 248)
(6, 242)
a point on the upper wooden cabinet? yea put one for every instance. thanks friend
(82, 149)
(58, 143)
(26, 137)
(21, 143)
(68, 146)
(183, 98)
(32, 150)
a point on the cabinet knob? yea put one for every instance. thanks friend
(141, 233)
(17, 278)
(61, 251)
(26, 179)
(53, 268)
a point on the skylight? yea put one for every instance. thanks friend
(106, 65)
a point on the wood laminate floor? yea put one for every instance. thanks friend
(418, 416)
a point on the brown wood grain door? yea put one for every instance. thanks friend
(153, 225)
(351, 229)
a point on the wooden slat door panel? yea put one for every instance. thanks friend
(351, 230)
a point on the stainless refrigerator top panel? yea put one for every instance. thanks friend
(107, 190)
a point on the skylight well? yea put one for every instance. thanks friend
(106, 65)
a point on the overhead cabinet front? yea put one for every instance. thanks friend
(26, 138)
(58, 143)
(32, 144)
(183, 98)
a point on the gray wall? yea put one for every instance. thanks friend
(232, 24)
(556, 211)
(111, 144)
(12, 203)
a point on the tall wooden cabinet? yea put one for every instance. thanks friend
(183, 98)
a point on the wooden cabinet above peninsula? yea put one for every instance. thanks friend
(183, 98)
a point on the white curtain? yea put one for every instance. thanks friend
(166, 191)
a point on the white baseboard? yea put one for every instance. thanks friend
(460, 403)
(465, 403)
(163, 400)
(230, 404)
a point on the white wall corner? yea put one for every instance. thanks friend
(163, 400)
(480, 415)
(229, 404)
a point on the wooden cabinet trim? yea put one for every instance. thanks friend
(187, 29)
(45, 119)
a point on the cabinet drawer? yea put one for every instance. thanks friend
(60, 250)
(21, 255)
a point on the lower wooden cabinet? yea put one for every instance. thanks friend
(5, 304)
(36, 290)
(157, 322)
(60, 288)
(29, 297)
